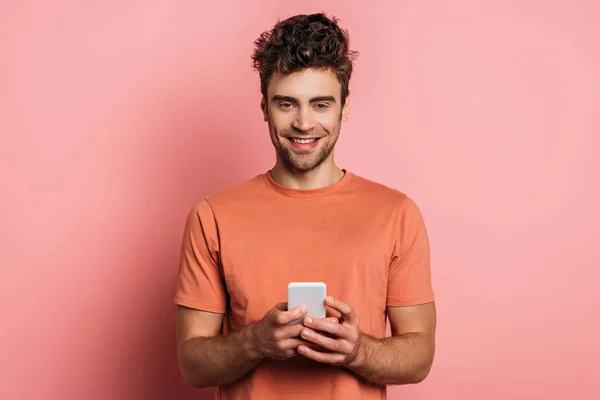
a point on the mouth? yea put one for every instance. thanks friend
(303, 143)
(303, 140)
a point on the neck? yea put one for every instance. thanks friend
(323, 175)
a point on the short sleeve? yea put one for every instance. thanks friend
(409, 278)
(200, 284)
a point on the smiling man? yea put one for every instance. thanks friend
(305, 220)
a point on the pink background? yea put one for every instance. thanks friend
(116, 117)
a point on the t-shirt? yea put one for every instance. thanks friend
(243, 244)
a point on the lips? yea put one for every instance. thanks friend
(303, 143)
(303, 140)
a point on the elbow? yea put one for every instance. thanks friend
(416, 375)
(191, 377)
(192, 373)
(425, 366)
(190, 369)
(194, 378)
(422, 373)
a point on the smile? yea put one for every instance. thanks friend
(303, 141)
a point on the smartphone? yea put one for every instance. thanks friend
(309, 294)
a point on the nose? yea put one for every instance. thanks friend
(303, 121)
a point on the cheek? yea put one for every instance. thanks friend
(279, 124)
(329, 124)
(329, 119)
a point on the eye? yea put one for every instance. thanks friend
(285, 105)
(322, 106)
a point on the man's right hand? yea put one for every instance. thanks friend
(275, 337)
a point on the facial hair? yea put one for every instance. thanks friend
(304, 162)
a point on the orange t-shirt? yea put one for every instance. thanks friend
(243, 244)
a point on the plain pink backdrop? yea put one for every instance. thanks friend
(117, 116)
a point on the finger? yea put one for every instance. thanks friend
(282, 307)
(315, 347)
(330, 312)
(342, 307)
(336, 345)
(289, 331)
(326, 358)
(285, 317)
(291, 343)
(327, 334)
(329, 326)
(294, 343)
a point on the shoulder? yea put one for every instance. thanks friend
(398, 207)
(231, 195)
(390, 201)
(380, 193)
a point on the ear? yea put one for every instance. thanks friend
(346, 109)
(263, 107)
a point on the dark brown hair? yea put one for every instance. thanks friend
(304, 41)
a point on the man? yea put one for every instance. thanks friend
(305, 220)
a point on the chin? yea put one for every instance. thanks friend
(309, 166)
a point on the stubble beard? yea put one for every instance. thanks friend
(304, 162)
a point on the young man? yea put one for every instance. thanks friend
(305, 220)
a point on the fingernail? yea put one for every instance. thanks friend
(301, 349)
(308, 320)
(306, 334)
(303, 310)
(329, 300)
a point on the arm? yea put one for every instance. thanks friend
(407, 356)
(207, 359)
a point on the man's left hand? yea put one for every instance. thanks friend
(342, 339)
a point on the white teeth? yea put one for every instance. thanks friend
(302, 141)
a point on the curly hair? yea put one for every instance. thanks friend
(304, 41)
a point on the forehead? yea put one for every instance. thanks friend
(305, 84)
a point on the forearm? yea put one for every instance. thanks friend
(216, 361)
(395, 360)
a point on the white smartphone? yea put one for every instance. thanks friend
(309, 294)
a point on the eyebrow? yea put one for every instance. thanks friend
(294, 100)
